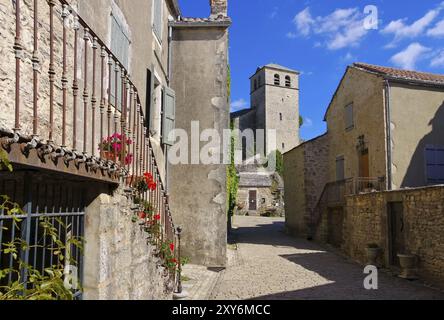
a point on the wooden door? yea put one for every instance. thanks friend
(396, 231)
(253, 200)
(364, 165)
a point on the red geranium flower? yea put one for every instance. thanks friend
(172, 246)
(157, 217)
(142, 215)
(152, 186)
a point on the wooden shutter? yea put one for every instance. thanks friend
(120, 48)
(349, 123)
(169, 115)
(340, 169)
(434, 164)
(157, 18)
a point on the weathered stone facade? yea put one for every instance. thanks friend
(119, 263)
(366, 221)
(198, 202)
(305, 175)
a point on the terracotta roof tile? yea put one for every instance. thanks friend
(401, 74)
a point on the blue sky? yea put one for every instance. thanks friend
(320, 38)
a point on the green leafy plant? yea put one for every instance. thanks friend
(30, 283)
(232, 181)
(4, 161)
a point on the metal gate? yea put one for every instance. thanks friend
(51, 223)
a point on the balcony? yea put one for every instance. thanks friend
(58, 103)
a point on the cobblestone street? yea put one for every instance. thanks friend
(268, 264)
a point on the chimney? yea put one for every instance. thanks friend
(218, 8)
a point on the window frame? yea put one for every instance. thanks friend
(277, 79)
(434, 149)
(350, 106)
(158, 34)
(288, 81)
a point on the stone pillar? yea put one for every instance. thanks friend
(219, 8)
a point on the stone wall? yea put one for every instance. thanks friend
(305, 175)
(118, 263)
(198, 203)
(366, 221)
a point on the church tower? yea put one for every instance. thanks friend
(275, 99)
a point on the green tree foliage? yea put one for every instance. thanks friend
(232, 179)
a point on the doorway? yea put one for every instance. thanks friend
(335, 226)
(396, 230)
(252, 200)
(364, 164)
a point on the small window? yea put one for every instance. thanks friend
(434, 164)
(255, 84)
(348, 115)
(158, 18)
(280, 116)
(288, 81)
(340, 168)
(283, 146)
(277, 80)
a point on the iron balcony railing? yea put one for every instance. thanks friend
(334, 194)
(72, 72)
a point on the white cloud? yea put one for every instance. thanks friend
(274, 13)
(437, 31)
(408, 58)
(291, 35)
(342, 28)
(349, 57)
(239, 104)
(304, 22)
(400, 30)
(438, 60)
(308, 123)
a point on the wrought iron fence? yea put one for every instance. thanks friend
(60, 206)
(75, 116)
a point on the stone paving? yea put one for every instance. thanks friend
(199, 282)
(268, 264)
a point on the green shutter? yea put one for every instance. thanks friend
(169, 115)
(120, 48)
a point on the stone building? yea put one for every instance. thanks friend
(383, 133)
(275, 109)
(274, 99)
(77, 72)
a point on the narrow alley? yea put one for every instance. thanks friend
(268, 264)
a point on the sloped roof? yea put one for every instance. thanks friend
(254, 179)
(400, 74)
(394, 74)
(240, 113)
(278, 67)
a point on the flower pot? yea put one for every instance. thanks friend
(109, 155)
(408, 266)
(372, 255)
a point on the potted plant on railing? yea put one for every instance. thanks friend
(146, 183)
(408, 263)
(373, 251)
(114, 148)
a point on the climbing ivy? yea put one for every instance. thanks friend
(232, 178)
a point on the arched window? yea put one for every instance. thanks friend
(288, 81)
(277, 80)
(255, 84)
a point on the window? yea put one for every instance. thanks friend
(340, 168)
(120, 48)
(158, 18)
(277, 80)
(168, 115)
(288, 81)
(283, 146)
(348, 115)
(280, 116)
(434, 164)
(255, 84)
